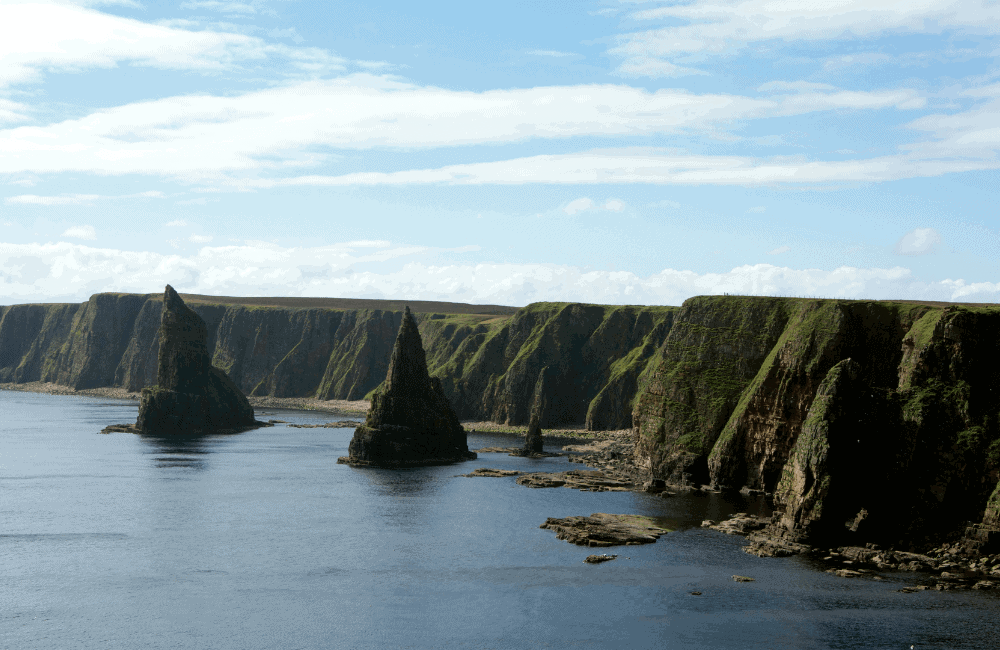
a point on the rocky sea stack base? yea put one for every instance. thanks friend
(191, 396)
(410, 422)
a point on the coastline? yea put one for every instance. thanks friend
(563, 435)
(356, 407)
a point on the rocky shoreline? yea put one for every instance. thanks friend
(947, 567)
(349, 407)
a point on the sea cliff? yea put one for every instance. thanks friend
(489, 358)
(866, 421)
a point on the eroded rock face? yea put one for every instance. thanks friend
(410, 421)
(191, 396)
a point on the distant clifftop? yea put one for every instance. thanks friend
(488, 357)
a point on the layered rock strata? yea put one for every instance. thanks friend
(191, 396)
(410, 421)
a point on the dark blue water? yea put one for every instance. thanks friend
(260, 540)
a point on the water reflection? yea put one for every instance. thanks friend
(181, 452)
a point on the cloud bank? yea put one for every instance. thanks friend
(378, 269)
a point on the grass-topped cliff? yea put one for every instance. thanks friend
(877, 417)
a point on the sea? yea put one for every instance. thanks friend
(261, 540)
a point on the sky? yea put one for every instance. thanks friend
(603, 151)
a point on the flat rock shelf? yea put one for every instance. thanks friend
(602, 529)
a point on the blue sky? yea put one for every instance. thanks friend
(616, 152)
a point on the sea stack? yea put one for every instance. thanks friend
(533, 436)
(410, 421)
(191, 396)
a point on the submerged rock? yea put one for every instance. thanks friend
(191, 396)
(410, 421)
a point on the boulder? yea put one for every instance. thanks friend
(410, 421)
(191, 396)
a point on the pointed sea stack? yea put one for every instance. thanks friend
(533, 436)
(410, 421)
(191, 396)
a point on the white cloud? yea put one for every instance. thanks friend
(758, 209)
(221, 7)
(645, 66)
(47, 35)
(76, 199)
(727, 26)
(65, 271)
(582, 204)
(578, 205)
(285, 127)
(81, 232)
(68, 199)
(779, 250)
(200, 239)
(919, 241)
(651, 167)
(178, 223)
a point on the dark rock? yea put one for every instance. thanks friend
(743, 579)
(410, 421)
(533, 437)
(191, 396)
(492, 473)
(597, 559)
(340, 424)
(602, 529)
(654, 486)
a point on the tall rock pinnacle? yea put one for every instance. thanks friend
(410, 421)
(191, 396)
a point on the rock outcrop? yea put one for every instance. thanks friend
(410, 421)
(191, 396)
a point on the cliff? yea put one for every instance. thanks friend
(487, 357)
(868, 421)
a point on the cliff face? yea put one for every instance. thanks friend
(868, 421)
(488, 364)
(592, 357)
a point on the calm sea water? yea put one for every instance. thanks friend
(260, 540)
